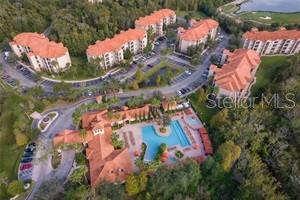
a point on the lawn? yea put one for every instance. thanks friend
(79, 70)
(266, 72)
(160, 65)
(281, 18)
(202, 110)
(160, 74)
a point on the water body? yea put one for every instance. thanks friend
(283, 6)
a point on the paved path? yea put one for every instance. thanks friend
(43, 170)
(15, 74)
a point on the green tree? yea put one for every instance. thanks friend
(77, 193)
(181, 179)
(201, 96)
(135, 85)
(166, 120)
(139, 76)
(107, 191)
(229, 153)
(78, 175)
(155, 103)
(15, 187)
(116, 142)
(21, 139)
(136, 183)
(158, 80)
(127, 54)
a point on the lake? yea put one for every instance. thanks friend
(284, 6)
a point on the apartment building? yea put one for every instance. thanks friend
(44, 55)
(236, 77)
(198, 33)
(111, 51)
(285, 42)
(156, 21)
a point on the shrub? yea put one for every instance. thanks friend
(162, 129)
(15, 187)
(21, 139)
(179, 154)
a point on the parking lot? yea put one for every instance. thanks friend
(27, 73)
(26, 165)
(9, 80)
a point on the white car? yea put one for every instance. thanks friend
(179, 93)
(188, 72)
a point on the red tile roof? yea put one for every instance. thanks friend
(206, 141)
(198, 30)
(100, 146)
(70, 137)
(40, 45)
(105, 163)
(114, 44)
(236, 74)
(114, 168)
(155, 17)
(275, 35)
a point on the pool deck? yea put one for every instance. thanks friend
(131, 134)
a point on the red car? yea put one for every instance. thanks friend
(25, 166)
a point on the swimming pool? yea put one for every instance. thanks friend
(192, 121)
(153, 141)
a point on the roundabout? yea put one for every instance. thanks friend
(47, 120)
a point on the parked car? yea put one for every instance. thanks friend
(27, 155)
(30, 149)
(26, 160)
(188, 72)
(25, 166)
(179, 93)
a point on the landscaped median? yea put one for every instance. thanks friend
(159, 75)
(47, 120)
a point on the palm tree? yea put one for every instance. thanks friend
(155, 103)
(54, 65)
(114, 86)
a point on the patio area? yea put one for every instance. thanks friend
(132, 135)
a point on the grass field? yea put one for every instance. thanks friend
(281, 18)
(268, 69)
(202, 110)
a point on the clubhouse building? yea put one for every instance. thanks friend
(44, 55)
(285, 42)
(105, 164)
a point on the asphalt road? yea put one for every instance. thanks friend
(196, 76)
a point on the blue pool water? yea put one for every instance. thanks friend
(153, 141)
(192, 122)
